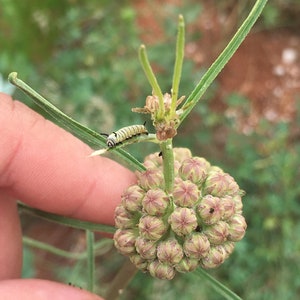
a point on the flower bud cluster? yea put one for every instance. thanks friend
(195, 225)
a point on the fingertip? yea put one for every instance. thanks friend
(50, 169)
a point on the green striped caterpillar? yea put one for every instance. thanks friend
(124, 134)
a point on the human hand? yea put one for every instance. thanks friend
(47, 168)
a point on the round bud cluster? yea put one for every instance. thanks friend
(195, 225)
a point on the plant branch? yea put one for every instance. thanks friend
(66, 221)
(168, 164)
(178, 62)
(152, 80)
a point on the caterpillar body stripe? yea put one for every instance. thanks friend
(125, 133)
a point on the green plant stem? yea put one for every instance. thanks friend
(98, 248)
(178, 62)
(51, 249)
(219, 287)
(152, 80)
(223, 58)
(168, 164)
(66, 221)
(122, 279)
(90, 239)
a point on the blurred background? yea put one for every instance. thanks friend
(82, 56)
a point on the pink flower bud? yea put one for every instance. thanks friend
(181, 154)
(187, 265)
(146, 248)
(124, 240)
(228, 247)
(151, 178)
(196, 246)
(194, 169)
(220, 184)
(123, 218)
(237, 199)
(185, 193)
(177, 166)
(215, 169)
(152, 228)
(215, 257)
(132, 198)
(217, 233)
(153, 161)
(209, 209)
(228, 207)
(139, 262)
(161, 270)
(183, 221)
(156, 202)
(237, 228)
(169, 251)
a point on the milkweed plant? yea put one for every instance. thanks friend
(183, 214)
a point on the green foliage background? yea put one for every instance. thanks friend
(83, 57)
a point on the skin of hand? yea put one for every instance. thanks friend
(48, 168)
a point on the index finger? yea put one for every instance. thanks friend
(50, 169)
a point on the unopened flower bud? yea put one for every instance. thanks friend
(217, 233)
(194, 169)
(132, 198)
(181, 154)
(237, 228)
(196, 246)
(228, 247)
(146, 248)
(183, 221)
(151, 178)
(124, 240)
(161, 270)
(215, 169)
(215, 257)
(153, 161)
(237, 199)
(196, 224)
(152, 228)
(209, 209)
(156, 202)
(185, 193)
(220, 184)
(228, 207)
(139, 262)
(187, 265)
(177, 166)
(123, 218)
(169, 251)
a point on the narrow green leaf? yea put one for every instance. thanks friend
(99, 245)
(152, 80)
(66, 221)
(87, 135)
(178, 61)
(218, 286)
